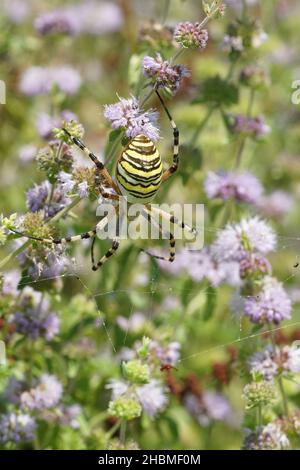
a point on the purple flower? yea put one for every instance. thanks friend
(152, 397)
(270, 437)
(163, 74)
(83, 189)
(46, 123)
(271, 305)
(10, 283)
(242, 186)
(135, 323)
(232, 43)
(33, 318)
(14, 389)
(99, 18)
(249, 235)
(126, 114)
(37, 198)
(87, 17)
(58, 21)
(191, 35)
(37, 80)
(254, 265)
(45, 394)
(16, 10)
(169, 354)
(209, 407)
(254, 127)
(67, 182)
(200, 265)
(64, 415)
(276, 204)
(16, 427)
(273, 361)
(27, 153)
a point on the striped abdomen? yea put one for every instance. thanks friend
(139, 170)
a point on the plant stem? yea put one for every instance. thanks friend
(113, 429)
(123, 432)
(259, 416)
(284, 397)
(165, 11)
(244, 139)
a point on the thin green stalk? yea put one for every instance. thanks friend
(202, 125)
(165, 11)
(241, 147)
(283, 396)
(259, 416)
(123, 432)
(113, 429)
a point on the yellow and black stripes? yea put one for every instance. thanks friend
(139, 170)
(109, 253)
(175, 163)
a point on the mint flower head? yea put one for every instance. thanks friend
(163, 74)
(125, 408)
(191, 35)
(271, 305)
(136, 372)
(127, 115)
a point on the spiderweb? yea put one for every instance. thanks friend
(78, 271)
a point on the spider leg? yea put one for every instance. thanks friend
(111, 251)
(115, 245)
(59, 241)
(173, 220)
(147, 214)
(99, 165)
(175, 163)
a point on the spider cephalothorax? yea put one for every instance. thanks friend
(139, 174)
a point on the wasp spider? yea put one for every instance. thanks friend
(139, 174)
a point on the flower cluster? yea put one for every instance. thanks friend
(191, 35)
(33, 318)
(37, 80)
(271, 305)
(241, 186)
(127, 115)
(273, 361)
(38, 198)
(16, 427)
(209, 407)
(270, 437)
(84, 18)
(248, 126)
(250, 235)
(163, 74)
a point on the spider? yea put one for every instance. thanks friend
(139, 175)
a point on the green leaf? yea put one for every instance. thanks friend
(218, 91)
(113, 136)
(191, 161)
(134, 70)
